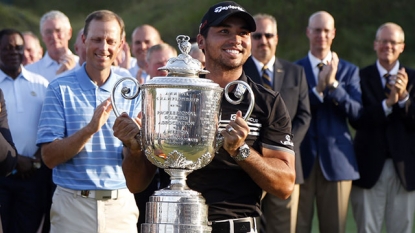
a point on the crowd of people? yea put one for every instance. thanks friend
(69, 164)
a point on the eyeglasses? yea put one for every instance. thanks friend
(385, 42)
(258, 36)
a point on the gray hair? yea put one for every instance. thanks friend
(391, 25)
(262, 16)
(54, 14)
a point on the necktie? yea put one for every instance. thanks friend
(266, 80)
(388, 86)
(320, 66)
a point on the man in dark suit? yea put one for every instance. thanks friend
(8, 153)
(384, 142)
(289, 80)
(328, 160)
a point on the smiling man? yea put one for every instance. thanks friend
(56, 32)
(385, 152)
(21, 194)
(75, 133)
(257, 155)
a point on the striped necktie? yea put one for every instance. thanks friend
(266, 79)
(320, 66)
(388, 86)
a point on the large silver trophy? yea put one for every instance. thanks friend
(180, 118)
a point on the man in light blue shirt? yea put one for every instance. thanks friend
(77, 140)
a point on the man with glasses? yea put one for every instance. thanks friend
(328, 160)
(289, 80)
(384, 141)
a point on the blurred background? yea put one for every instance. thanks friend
(356, 20)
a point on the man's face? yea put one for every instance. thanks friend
(321, 33)
(156, 60)
(102, 43)
(11, 52)
(33, 52)
(227, 46)
(143, 39)
(56, 34)
(389, 45)
(264, 40)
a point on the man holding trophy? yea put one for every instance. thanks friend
(257, 153)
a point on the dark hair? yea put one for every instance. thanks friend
(103, 15)
(10, 31)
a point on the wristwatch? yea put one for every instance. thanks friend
(334, 85)
(243, 153)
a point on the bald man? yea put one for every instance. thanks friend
(143, 37)
(328, 160)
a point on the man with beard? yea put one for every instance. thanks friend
(75, 134)
(289, 80)
(256, 155)
(22, 197)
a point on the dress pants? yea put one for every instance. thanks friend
(280, 215)
(23, 202)
(332, 198)
(387, 201)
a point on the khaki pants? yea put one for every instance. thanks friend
(386, 201)
(332, 198)
(71, 213)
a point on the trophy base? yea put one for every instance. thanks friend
(176, 211)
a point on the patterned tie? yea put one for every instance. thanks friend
(266, 80)
(388, 86)
(320, 66)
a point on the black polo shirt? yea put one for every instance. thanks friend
(228, 189)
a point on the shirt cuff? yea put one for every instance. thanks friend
(403, 102)
(320, 96)
(386, 109)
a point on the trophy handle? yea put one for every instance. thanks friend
(124, 92)
(239, 93)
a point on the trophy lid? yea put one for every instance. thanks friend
(184, 65)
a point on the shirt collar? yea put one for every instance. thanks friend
(23, 74)
(259, 65)
(383, 71)
(315, 61)
(86, 83)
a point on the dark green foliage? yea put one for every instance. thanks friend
(356, 20)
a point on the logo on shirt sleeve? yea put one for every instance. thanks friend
(287, 141)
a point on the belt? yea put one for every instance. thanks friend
(237, 225)
(94, 194)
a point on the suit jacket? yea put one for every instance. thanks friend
(328, 140)
(8, 153)
(379, 136)
(289, 81)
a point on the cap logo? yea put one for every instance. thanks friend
(225, 8)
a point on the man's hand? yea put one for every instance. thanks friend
(126, 129)
(332, 69)
(67, 62)
(24, 166)
(235, 134)
(401, 82)
(101, 114)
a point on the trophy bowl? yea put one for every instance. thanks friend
(180, 117)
